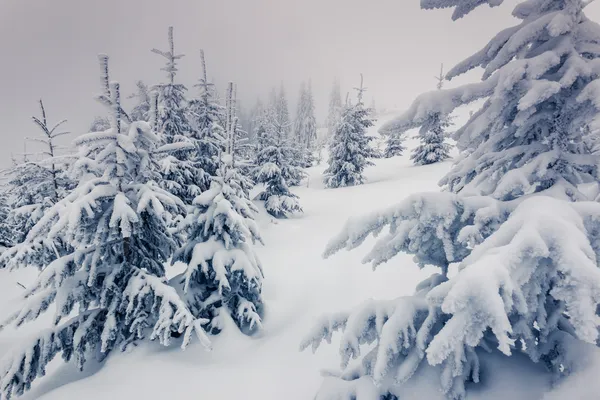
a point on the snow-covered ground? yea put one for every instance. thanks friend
(299, 287)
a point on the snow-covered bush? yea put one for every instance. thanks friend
(223, 275)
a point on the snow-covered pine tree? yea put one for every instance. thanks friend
(256, 113)
(273, 166)
(349, 150)
(278, 130)
(394, 145)
(108, 283)
(310, 127)
(223, 278)
(40, 181)
(299, 122)
(208, 134)
(181, 175)
(141, 111)
(305, 125)
(432, 134)
(282, 113)
(238, 144)
(6, 228)
(517, 225)
(335, 109)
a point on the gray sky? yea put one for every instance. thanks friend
(49, 50)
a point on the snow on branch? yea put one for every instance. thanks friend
(438, 228)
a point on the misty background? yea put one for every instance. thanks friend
(49, 50)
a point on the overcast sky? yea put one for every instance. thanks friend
(49, 50)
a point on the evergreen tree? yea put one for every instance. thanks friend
(6, 228)
(180, 174)
(278, 129)
(208, 133)
(273, 161)
(141, 111)
(223, 278)
(305, 126)
(238, 144)
(394, 145)
(349, 151)
(514, 219)
(310, 127)
(432, 134)
(108, 285)
(282, 114)
(433, 147)
(39, 182)
(335, 109)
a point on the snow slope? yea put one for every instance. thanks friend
(299, 287)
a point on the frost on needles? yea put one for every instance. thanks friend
(523, 236)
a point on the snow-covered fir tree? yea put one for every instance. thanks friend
(237, 143)
(208, 135)
(278, 130)
(305, 125)
(282, 113)
(223, 278)
(310, 126)
(349, 150)
(394, 145)
(141, 111)
(40, 181)
(514, 221)
(107, 281)
(181, 175)
(432, 134)
(335, 109)
(6, 228)
(273, 167)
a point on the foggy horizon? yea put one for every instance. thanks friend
(50, 51)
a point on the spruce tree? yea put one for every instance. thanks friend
(310, 127)
(40, 181)
(335, 109)
(107, 282)
(273, 166)
(6, 228)
(278, 127)
(141, 111)
(305, 126)
(394, 145)
(223, 278)
(208, 134)
(349, 150)
(433, 147)
(181, 175)
(513, 220)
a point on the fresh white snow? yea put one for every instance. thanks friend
(299, 287)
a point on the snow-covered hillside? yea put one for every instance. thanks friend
(299, 287)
